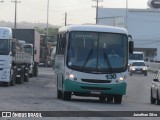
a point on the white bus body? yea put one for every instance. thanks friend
(83, 66)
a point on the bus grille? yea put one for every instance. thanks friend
(95, 81)
(95, 88)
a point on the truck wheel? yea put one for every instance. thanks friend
(26, 77)
(153, 100)
(13, 77)
(158, 100)
(20, 80)
(35, 71)
(23, 73)
(117, 99)
(13, 80)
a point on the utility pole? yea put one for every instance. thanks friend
(97, 6)
(65, 18)
(15, 20)
(47, 18)
(126, 14)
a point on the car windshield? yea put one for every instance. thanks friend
(4, 46)
(138, 64)
(97, 52)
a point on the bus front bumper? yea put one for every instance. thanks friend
(117, 89)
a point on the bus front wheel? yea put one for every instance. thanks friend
(118, 99)
(102, 98)
(59, 94)
(66, 95)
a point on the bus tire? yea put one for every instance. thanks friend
(118, 99)
(109, 98)
(102, 98)
(66, 96)
(6, 84)
(59, 94)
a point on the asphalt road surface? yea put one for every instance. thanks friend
(39, 94)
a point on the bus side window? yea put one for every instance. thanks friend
(58, 45)
(61, 43)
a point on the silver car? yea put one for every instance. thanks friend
(155, 89)
(138, 67)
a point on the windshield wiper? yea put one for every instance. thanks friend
(108, 62)
(87, 59)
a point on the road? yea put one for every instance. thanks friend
(39, 94)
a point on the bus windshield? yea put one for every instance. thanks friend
(96, 52)
(4, 46)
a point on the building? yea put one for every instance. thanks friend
(142, 24)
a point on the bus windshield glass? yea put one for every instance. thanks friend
(97, 52)
(4, 46)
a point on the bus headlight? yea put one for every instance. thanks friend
(121, 78)
(71, 76)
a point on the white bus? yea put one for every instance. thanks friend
(92, 60)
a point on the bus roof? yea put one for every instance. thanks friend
(93, 28)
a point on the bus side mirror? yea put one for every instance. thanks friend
(35, 51)
(131, 44)
(131, 47)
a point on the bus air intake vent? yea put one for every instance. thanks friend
(95, 81)
(94, 88)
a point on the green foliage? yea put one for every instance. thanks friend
(51, 31)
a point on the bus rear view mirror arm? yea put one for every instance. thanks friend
(131, 44)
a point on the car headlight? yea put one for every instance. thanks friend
(144, 68)
(132, 68)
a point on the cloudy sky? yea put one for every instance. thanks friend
(78, 11)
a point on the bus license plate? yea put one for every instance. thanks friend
(95, 92)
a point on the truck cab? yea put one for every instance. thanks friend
(135, 57)
(5, 55)
(29, 49)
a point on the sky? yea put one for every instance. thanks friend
(78, 11)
